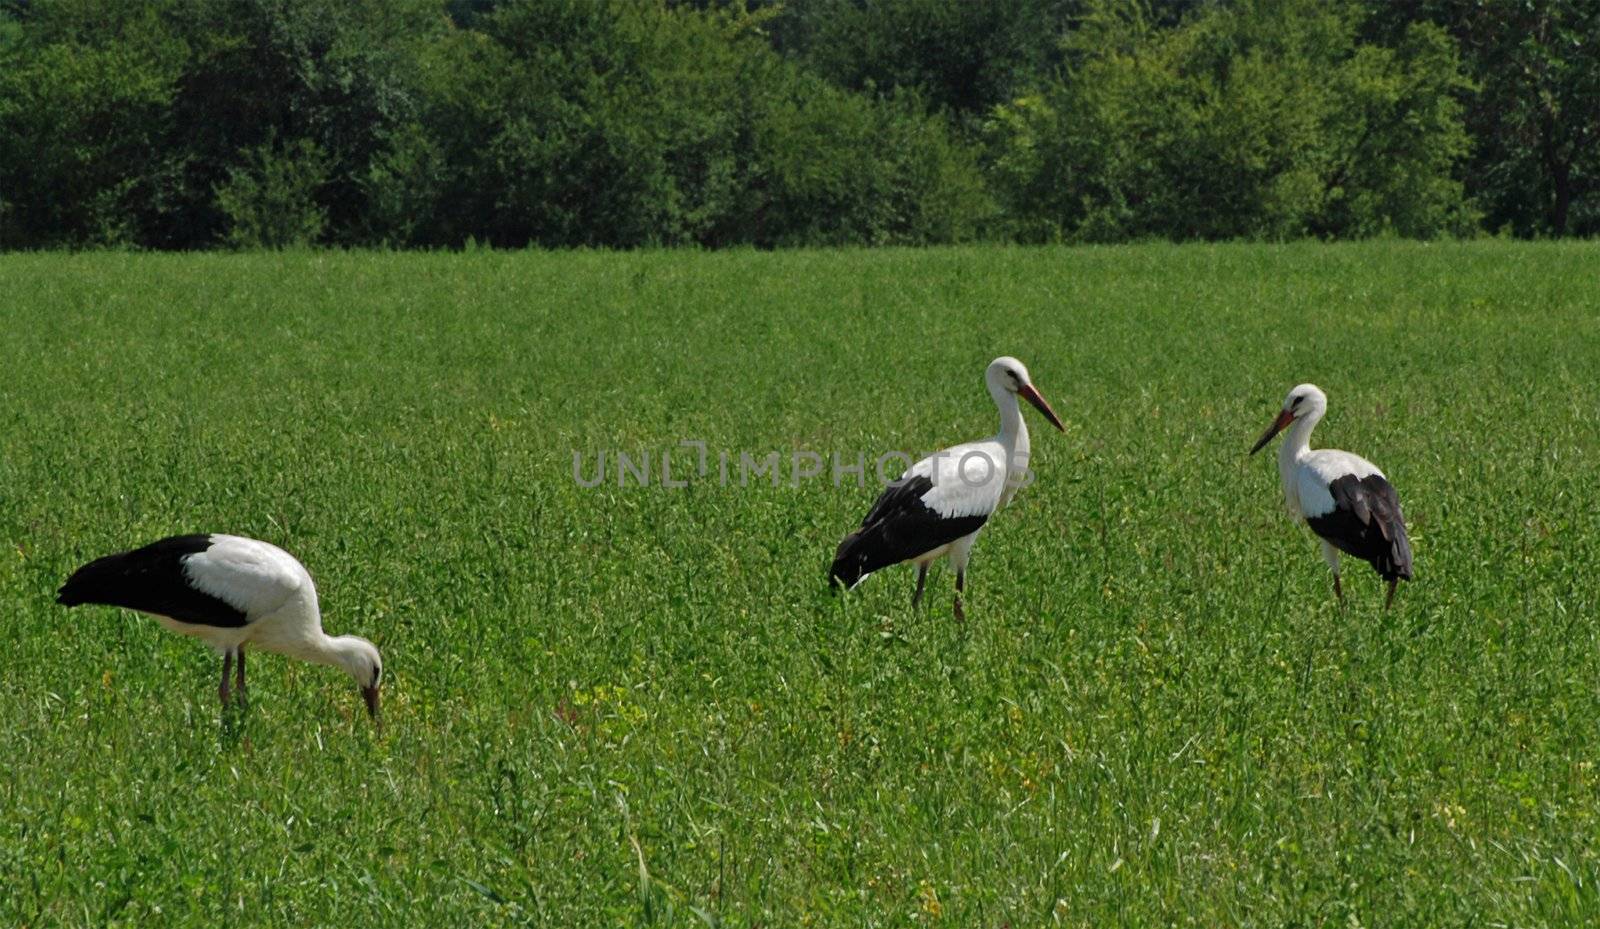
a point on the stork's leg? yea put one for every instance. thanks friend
(227, 669)
(239, 682)
(922, 577)
(1331, 556)
(1389, 600)
(960, 551)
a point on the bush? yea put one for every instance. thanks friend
(961, 57)
(1262, 120)
(621, 123)
(342, 76)
(123, 123)
(841, 169)
(587, 123)
(271, 201)
(85, 104)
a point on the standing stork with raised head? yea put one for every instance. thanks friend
(229, 592)
(936, 508)
(1344, 498)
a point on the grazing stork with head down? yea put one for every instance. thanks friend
(229, 592)
(1344, 498)
(938, 505)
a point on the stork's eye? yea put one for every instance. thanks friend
(1296, 402)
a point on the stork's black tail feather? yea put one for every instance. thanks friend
(1365, 521)
(1396, 562)
(129, 579)
(152, 580)
(899, 527)
(95, 582)
(1391, 555)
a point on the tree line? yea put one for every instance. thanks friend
(191, 124)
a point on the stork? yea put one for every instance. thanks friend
(228, 592)
(1344, 498)
(936, 508)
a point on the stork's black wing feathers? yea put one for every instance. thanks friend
(1366, 522)
(151, 580)
(897, 528)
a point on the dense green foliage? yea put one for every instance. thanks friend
(559, 122)
(1269, 121)
(626, 706)
(619, 123)
(1535, 117)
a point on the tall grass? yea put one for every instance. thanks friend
(640, 705)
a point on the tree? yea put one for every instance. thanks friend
(85, 106)
(960, 57)
(336, 79)
(618, 123)
(1536, 115)
(1257, 119)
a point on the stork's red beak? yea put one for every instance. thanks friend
(1284, 419)
(1032, 396)
(370, 694)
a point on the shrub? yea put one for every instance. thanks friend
(587, 123)
(84, 106)
(271, 201)
(1263, 120)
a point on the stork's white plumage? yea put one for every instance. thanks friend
(936, 508)
(229, 592)
(1344, 498)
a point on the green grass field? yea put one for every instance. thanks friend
(633, 706)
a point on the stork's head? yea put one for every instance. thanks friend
(1305, 401)
(1008, 375)
(360, 659)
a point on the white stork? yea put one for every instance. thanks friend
(937, 507)
(229, 592)
(1344, 498)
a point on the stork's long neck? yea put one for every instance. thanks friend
(1013, 430)
(1296, 445)
(296, 631)
(320, 648)
(344, 652)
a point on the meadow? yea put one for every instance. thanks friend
(626, 705)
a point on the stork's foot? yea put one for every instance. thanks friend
(1389, 600)
(1338, 590)
(238, 683)
(961, 616)
(922, 578)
